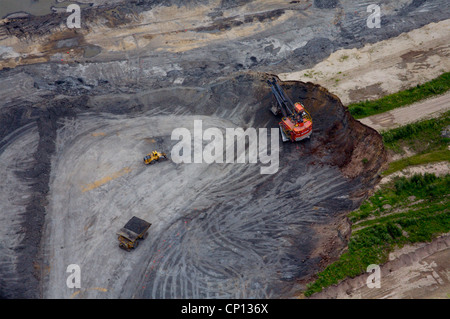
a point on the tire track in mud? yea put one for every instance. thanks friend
(284, 227)
(36, 175)
(219, 230)
(14, 197)
(234, 235)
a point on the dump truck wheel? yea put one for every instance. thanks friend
(124, 247)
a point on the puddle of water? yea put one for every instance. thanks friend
(91, 51)
(33, 7)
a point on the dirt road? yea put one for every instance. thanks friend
(428, 108)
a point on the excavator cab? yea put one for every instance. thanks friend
(299, 108)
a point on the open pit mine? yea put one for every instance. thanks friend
(81, 107)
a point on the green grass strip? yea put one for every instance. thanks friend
(419, 159)
(434, 87)
(426, 131)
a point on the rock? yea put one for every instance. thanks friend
(387, 206)
(446, 132)
(326, 4)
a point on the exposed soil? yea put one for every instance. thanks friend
(79, 108)
(415, 272)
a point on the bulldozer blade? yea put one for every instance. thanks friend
(284, 137)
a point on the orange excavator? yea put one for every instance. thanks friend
(296, 123)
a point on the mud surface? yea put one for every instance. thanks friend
(75, 124)
(213, 224)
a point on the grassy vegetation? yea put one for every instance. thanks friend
(434, 87)
(343, 58)
(435, 156)
(427, 131)
(423, 138)
(408, 210)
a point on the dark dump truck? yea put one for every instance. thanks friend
(134, 230)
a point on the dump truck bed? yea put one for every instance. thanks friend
(134, 228)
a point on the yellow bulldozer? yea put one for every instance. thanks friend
(153, 157)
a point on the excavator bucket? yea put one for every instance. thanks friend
(284, 137)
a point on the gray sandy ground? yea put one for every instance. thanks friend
(218, 230)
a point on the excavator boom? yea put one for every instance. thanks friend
(282, 101)
(296, 123)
